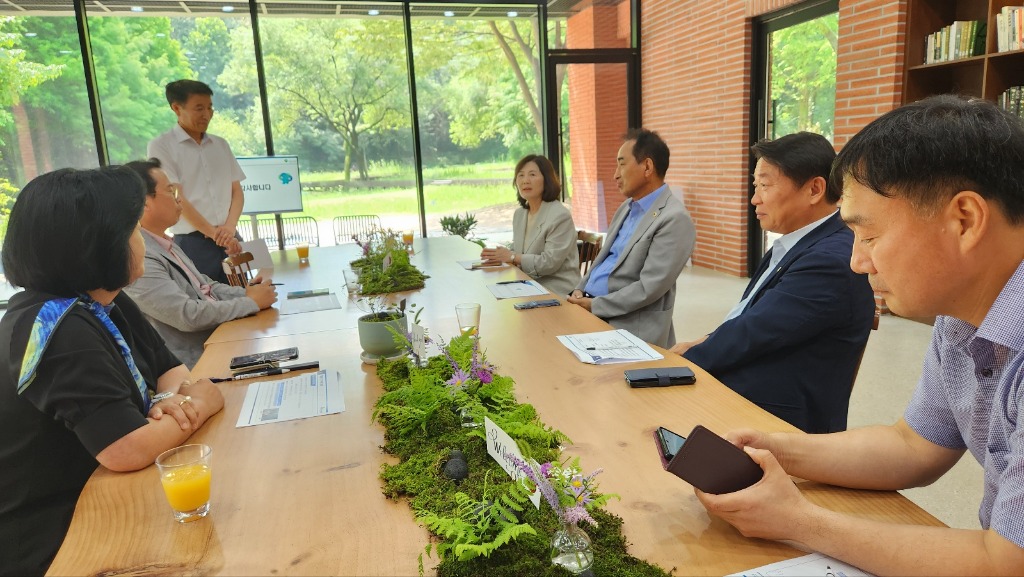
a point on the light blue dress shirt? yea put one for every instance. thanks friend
(597, 285)
(780, 247)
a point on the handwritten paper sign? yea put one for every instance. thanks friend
(503, 449)
(419, 341)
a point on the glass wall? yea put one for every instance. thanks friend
(338, 87)
(45, 122)
(478, 86)
(138, 50)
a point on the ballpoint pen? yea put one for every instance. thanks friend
(269, 372)
(513, 282)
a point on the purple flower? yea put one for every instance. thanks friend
(459, 380)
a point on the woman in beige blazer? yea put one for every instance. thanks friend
(543, 234)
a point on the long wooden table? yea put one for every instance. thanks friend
(303, 498)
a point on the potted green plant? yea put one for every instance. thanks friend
(377, 328)
(384, 267)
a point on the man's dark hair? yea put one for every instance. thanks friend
(649, 145)
(143, 168)
(552, 187)
(69, 231)
(801, 157)
(179, 90)
(928, 151)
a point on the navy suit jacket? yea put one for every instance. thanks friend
(795, 348)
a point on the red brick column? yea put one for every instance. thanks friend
(597, 116)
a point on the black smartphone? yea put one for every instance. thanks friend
(661, 377)
(263, 359)
(536, 304)
(668, 442)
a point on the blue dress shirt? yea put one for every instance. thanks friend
(597, 284)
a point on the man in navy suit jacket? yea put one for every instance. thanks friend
(793, 344)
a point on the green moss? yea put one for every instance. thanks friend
(423, 423)
(400, 276)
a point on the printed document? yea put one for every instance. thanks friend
(815, 564)
(619, 346)
(299, 397)
(510, 289)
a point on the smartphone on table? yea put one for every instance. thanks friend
(269, 358)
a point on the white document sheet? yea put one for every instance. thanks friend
(815, 564)
(309, 304)
(511, 289)
(604, 348)
(300, 397)
(260, 253)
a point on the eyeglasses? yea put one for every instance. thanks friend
(174, 190)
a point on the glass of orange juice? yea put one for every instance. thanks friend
(302, 249)
(468, 315)
(185, 474)
(407, 237)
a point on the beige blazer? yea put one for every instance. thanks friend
(549, 254)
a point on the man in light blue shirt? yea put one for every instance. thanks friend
(934, 193)
(632, 284)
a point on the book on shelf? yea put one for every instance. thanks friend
(1009, 28)
(961, 39)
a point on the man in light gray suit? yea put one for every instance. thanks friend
(632, 284)
(184, 305)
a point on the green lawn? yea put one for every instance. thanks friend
(440, 199)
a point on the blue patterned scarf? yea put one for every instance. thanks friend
(49, 318)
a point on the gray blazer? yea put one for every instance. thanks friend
(642, 286)
(180, 313)
(549, 255)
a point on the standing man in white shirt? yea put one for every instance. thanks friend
(210, 177)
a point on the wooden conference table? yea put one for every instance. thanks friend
(303, 497)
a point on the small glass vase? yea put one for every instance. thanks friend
(570, 549)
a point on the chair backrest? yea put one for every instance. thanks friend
(347, 227)
(297, 229)
(238, 269)
(589, 244)
(874, 327)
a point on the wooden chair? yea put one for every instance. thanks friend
(347, 227)
(874, 327)
(589, 244)
(238, 269)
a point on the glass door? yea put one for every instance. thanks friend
(796, 87)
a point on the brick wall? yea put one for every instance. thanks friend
(597, 117)
(696, 71)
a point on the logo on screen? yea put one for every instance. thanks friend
(285, 177)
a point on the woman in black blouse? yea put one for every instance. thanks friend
(87, 381)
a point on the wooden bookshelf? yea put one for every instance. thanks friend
(986, 76)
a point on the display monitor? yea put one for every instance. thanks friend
(271, 184)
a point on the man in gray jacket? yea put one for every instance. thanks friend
(184, 305)
(632, 284)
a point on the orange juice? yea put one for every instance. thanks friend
(187, 487)
(407, 238)
(303, 251)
